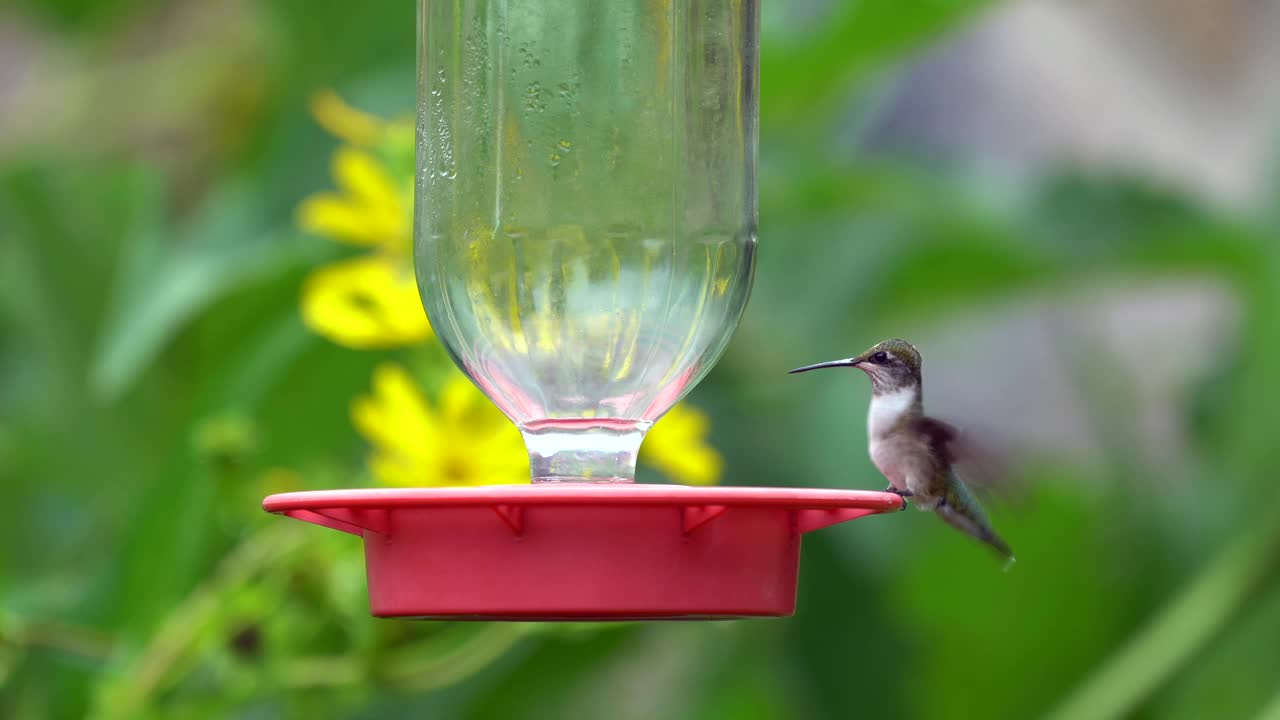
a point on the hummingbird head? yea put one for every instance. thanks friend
(892, 365)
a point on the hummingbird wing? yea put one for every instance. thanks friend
(943, 437)
(961, 509)
(969, 459)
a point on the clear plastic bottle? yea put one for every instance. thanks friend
(586, 208)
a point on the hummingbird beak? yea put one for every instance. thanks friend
(847, 362)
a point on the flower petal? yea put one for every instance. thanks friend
(372, 209)
(395, 470)
(402, 427)
(338, 217)
(677, 446)
(457, 398)
(340, 119)
(374, 190)
(366, 302)
(416, 445)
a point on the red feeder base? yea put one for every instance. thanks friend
(581, 551)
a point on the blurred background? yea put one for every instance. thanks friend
(1069, 206)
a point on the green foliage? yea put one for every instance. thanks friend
(801, 76)
(156, 382)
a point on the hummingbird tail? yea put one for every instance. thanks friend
(976, 526)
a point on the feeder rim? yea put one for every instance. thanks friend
(593, 494)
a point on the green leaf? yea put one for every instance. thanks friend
(164, 285)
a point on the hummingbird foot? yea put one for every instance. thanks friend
(904, 494)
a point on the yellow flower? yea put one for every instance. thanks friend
(370, 301)
(365, 302)
(463, 440)
(677, 445)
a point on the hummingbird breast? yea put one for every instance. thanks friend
(907, 462)
(903, 455)
(888, 459)
(889, 411)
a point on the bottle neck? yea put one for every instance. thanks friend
(584, 449)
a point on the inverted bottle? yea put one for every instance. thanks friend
(586, 209)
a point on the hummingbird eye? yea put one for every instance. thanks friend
(880, 358)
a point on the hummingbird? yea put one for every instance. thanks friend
(916, 453)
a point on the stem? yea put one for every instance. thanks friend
(1185, 626)
(415, 670)
(416, 667)
(422, 666)
(179, 632)
(63, 637)
(315, 672)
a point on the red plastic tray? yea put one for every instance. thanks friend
(581, 551)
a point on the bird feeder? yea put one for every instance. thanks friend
(585, 238)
